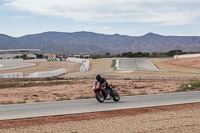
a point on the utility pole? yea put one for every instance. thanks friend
(43, 49)
(62, 51)
(194, 40)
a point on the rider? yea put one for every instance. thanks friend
(103, 81)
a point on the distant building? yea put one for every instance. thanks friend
(16, 53)
(81, 56)
(50, 57)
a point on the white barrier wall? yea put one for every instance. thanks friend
(85, 63)
(47, 73)
(186, 56)
(117, 63)
(36, 60)
(12, 75)
(85, 66)
(21, 60)
(11, 60)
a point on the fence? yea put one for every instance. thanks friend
(85, 63)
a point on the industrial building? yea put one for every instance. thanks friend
(16, 53)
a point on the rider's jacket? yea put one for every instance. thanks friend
(103, 81)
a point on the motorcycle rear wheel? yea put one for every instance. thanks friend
(100, 98)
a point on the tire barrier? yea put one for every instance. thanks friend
(12, 75)
(51, 59)
(186, 56)
(47, 74)
(85, 63)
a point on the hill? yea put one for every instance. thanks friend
(94, 43)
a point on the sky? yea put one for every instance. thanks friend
(124, 17)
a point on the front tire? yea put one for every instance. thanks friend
(116, 96)
(100, 98)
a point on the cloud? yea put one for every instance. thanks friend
(161, 12)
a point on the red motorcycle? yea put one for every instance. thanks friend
(102, 93)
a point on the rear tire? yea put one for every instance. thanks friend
(116, 96)
(100, 98)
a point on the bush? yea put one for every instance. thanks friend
(192, 86)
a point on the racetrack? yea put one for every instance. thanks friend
(14, 65)
(19, 111)
(133, 64)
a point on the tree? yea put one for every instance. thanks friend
(174, 52)
(24, 56)
(16, 57)
(107, 54)
(127, 54)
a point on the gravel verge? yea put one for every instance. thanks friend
(175, 118)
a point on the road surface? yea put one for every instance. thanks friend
(133, 64)
(18, 111)
(14, 65)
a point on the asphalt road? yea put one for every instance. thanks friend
(14, 65)
(18, 111)
(133, 64)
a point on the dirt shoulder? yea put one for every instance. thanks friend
(180, 65)
(175, 118)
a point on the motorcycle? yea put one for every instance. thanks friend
(102, 93)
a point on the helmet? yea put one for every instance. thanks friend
(98, 77)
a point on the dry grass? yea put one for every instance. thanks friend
(82, 89)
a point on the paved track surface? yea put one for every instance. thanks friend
(19, 111)
(14, 65)
(133, 64)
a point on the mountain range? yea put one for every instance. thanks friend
(94, 43)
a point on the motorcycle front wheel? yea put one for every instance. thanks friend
(100, 97)
(116, 96)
